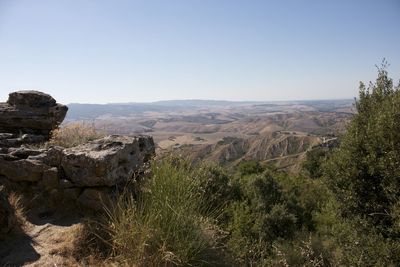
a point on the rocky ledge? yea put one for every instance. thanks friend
(87, 174)
(29, 117)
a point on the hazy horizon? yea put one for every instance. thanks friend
(148, 51)
(212, 100)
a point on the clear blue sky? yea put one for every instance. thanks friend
(93, 51)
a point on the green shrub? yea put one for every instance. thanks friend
(364, 173)
(306, 250)
(250, 167)
(313, 165)
(215, 186)
(352, 241)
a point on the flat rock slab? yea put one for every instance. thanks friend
(107, 161)
(21, 169)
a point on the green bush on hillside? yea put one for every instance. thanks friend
(272, 208)
(364, 173)
(343, 209)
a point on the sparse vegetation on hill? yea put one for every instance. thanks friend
(342, 210)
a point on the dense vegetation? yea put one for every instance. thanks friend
(343, 209)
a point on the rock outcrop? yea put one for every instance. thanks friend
(98, 165)
(107, 161)
(88, 174)
(29, 117)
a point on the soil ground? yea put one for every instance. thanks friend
(46, 240)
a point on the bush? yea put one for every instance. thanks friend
(364, 173)
(74, 134)
(313, 165)
(352, 242)
(216, 189)
(250, 167)
(272, 209)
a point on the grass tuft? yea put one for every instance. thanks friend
(164, 226)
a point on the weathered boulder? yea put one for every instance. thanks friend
(50, 179)
(95, 199)
(30, 98)
(30, 112)
(107, 161)
(87, 175)
(51, 156)
(18, 170)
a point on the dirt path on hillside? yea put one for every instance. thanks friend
(47, 241)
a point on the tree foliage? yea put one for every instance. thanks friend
(364, 173)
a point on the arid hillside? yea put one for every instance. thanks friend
(225, 132)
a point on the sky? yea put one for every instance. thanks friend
(97, 51)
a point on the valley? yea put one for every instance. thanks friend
(224, 132)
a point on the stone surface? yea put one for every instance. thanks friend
(30, 98)
(32, 138)
(30, 112)
(6, 136)
(22, 170)
(10, 142)
(64, 183)
(88, 174)
(50, 179)
(95, 199)
(24, 153)
(72, 193)
(51, 157)
(107, 161)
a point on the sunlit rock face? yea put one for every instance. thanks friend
(87, 174)
(29, 117)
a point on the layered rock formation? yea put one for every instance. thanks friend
(84, 173)
(29, 117)
(88, 174)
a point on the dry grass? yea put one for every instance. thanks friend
(14, 220)
(74, 134)
(164, 226)
(19, 219)
(72, 248)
